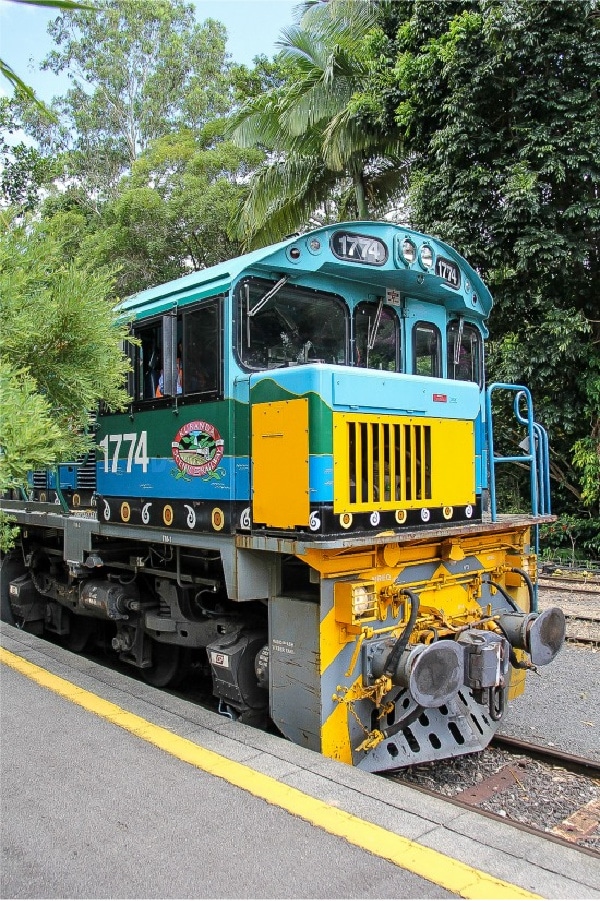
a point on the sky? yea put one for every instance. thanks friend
(253, 27)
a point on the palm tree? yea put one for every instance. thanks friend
(319, 149)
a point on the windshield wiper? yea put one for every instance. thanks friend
(457, 346)
(266, 298)
(372, 334)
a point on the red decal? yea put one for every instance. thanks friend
(440, 398)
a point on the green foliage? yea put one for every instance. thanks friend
(23, 169)
(265, 75)
(8, 532)
(578, 536)
(586, 459)
(498, 105)
(173, 212)
(148, 64)
(139, 69)
(29, 437)
(60, 353)
(138, 175)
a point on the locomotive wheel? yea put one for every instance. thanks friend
(170, 664)
(11, 567)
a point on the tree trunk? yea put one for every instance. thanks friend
(359, 191)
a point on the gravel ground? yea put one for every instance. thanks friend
(560, 707)
(517, 788)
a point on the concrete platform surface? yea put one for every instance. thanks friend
(113, 789)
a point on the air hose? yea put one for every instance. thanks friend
(506, 596)
(532, 598)
(391, 664)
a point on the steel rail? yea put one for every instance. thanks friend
(573, 762)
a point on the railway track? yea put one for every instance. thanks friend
(583, 629)
(537, 789)
(590, 587)
(577, 592)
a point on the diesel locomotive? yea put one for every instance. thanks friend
(299, 504)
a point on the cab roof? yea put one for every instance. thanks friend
(368, 252)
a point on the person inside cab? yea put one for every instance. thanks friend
(161, 381)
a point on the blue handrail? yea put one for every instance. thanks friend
(535, 446)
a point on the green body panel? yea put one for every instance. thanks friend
(320, 420)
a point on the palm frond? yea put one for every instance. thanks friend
(258, 122)
(318, 103)
(56, 4)
(344, 137)
(341, 22)
(17, 82)
(300, 46)
(388, 181)
(282, 197)
(326, 154)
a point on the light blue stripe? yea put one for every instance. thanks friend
(164, 479)
(321, 478)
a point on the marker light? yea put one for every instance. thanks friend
(426, 257)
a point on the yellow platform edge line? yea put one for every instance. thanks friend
(453, 875)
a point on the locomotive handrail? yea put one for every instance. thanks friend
(536, 444)
(543, 458)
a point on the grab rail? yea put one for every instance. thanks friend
(535, 446)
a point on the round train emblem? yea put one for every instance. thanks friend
(197, 448)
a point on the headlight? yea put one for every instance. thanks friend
(409, 251)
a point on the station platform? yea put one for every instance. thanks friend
(113, 789)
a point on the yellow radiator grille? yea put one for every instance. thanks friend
(389, 463)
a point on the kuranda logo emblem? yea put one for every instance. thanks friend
(197, 448)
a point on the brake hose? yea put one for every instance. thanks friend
(396, 653)
(533, 607)
(506, 596)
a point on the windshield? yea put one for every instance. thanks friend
(377, 337)
(282, 325)
(464, 352)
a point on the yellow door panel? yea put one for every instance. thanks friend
(280, 467)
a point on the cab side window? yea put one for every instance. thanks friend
(146, 360)
(464, 352)
(377, 337)
(427, 350)
(191, 345)
(201, 351)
